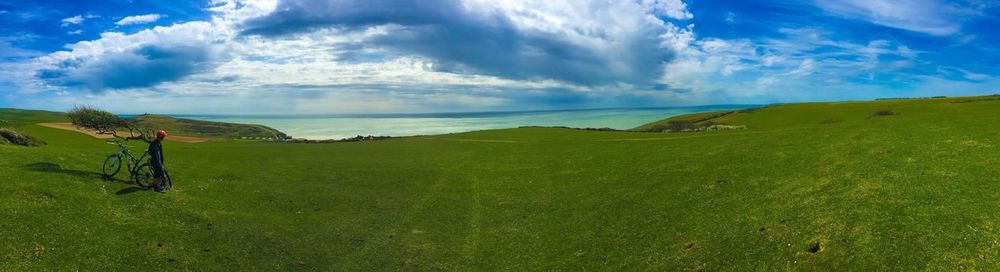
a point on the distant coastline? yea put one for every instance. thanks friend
(470, 114)
(343, 126)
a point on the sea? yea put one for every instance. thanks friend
(339, 126)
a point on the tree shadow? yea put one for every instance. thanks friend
(55, 168)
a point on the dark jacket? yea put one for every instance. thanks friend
(156, 153)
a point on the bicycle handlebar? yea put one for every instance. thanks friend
(118, 143)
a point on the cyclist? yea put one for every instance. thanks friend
(156, 161)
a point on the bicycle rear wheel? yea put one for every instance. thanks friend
(143, 175)
(112, 165)
(166, 179)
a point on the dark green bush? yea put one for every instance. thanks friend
(884, 113)
(831, 121)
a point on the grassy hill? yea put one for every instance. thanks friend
(14, 117)
(198, 128)
(176, 126)
(818, 186)
(689, 122)
(11, 119)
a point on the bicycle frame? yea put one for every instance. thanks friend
(131, 162)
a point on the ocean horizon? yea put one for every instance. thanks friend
(339, 126)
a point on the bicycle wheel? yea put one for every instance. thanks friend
(143, 175)
(112, 165)
(166, 179)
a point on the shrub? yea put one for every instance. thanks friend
(831, 121)
(884, 113)
(10, 136)
(678, 125)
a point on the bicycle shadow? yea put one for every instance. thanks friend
(55, 168)
(129, 190)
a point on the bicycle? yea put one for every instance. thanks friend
(139, 170)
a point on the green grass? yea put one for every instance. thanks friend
(917, 190)
(14, 117)
(10, 119)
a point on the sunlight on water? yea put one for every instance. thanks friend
(344, 126)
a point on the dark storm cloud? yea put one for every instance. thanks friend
(463, 41)
(143, 67)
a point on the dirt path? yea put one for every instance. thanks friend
(69, 126)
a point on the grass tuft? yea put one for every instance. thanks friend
(884, 113)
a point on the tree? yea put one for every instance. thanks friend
(106, 123)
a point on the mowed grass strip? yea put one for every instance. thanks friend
(818, 186)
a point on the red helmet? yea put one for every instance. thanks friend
(160, 134)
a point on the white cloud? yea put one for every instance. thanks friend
(956, 73)
(806, 67)
(75, 32)
(295, 72)
(139, 19)
(333, 70)
(325, 70)
(7, 50)
(806, 64)
(581, 42)
(228, 13)
(925, 16)
(119, 60)
(974, 76)
(75, 20)
(675, 9)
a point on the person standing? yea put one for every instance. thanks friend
(156, 161)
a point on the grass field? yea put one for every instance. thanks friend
(818, 186)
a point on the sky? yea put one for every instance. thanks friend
(382, 56)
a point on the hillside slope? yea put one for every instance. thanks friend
(817, 186)
(806, 114)
(176, 126)
(208, 129)
(16, 117)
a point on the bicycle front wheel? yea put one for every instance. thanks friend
(112, 165)
(143, 175)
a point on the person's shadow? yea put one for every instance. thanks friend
(55, 168)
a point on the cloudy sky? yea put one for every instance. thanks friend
(347, 56)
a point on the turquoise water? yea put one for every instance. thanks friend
(318, 127)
